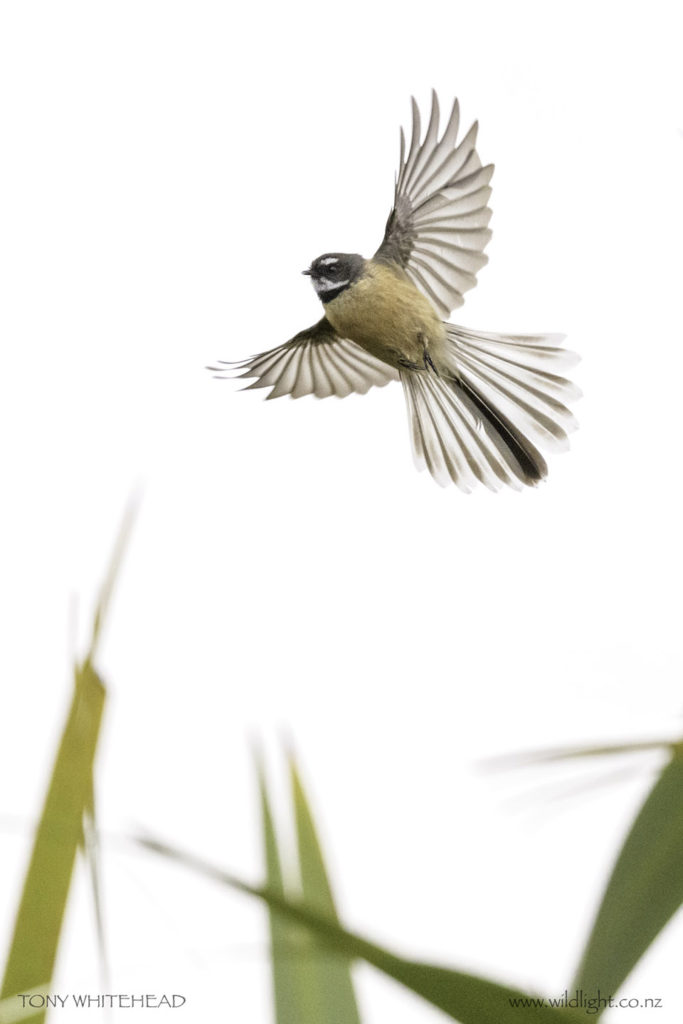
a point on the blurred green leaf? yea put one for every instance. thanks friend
(288, 983)
(645, 888)
(69, 803)
(464, 997)
(552, 754)
(91, 853)
(60, 831)
(312, 983)
(329, 974)
(107, 588)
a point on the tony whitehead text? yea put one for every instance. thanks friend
(119, 1000)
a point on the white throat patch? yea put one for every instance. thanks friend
(323, 284)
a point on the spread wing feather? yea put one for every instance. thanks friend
(438, 228)
(314, 362)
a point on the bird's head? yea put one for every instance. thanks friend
(332, 272)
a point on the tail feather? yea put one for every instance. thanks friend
(443, 438)
(526, 456)
(480, 420)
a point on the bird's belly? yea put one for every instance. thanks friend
(394, 324)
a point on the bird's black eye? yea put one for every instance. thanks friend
(329, 268)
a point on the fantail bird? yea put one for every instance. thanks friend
(479, 403)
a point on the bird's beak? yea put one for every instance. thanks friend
(308, 272)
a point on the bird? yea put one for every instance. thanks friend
(480, 404)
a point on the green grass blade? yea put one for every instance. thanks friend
(59, 834)
(330, 973)
(60, 831)
(644, 890)
(107, 588)
(289, 985)
(552, 754)
(93, 859)
(463, 997)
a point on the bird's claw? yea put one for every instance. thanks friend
(428, 363)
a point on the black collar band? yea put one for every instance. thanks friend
(327, 296)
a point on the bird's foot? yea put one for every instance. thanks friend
(428, 362)
(426, 358)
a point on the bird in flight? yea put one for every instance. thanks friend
(480, 405)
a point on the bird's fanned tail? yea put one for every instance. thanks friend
(483, 417)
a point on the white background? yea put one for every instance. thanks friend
(168, 171)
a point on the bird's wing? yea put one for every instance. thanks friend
(438, 228)
(314, 362)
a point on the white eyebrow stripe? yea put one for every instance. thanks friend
(329, 261)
